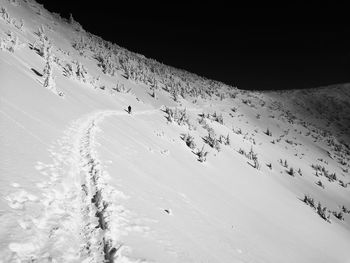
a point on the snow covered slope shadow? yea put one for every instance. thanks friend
(198, 172)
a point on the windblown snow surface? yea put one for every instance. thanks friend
(84, 181)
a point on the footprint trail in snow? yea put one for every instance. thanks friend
(81, 220)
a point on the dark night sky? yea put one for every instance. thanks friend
(252, 47)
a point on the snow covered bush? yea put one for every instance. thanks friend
(268, 132)
(218, 118)
(291, 171)
(189, 140)
(80, 45)
(322, 171)
(106, 62)
(121, 88)
(202, 155)
(5, 15)
(81, 72)
(284, 164)
(320, 184)
(10, 44)
(338, 215)
(44, 43)
(211, 140)
(178, 116)
(19, 25)
(345, 210)
(225, 139)
(322, 211)
(309, 201)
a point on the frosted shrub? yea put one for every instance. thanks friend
(18, 25)
(256, 163)
(76, 70)
(322, 211)
(80, 45)
(319, 183)
(5, 15)
(268, 132)
(121, 88)
(178, 116)
(226, 140)
(202, 155)
(189, 140)
(68, 70)
(338, 215)
(309, 201)
(44, 43)
(81, 72)
(211, 140)
(345, 210)
(11, 43)
(291, 171)
(218, 118)
(284, 164)
(107, 63)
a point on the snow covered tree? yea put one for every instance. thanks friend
(48, 71)
(49, 82)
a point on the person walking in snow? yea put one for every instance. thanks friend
(129, 109)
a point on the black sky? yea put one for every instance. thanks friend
(249, 46)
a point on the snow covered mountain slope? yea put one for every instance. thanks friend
(198, 172)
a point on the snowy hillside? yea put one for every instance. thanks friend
(198, 172)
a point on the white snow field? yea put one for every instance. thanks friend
(84, 181)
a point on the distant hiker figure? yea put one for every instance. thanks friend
(129, 109)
